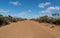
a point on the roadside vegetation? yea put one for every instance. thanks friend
(5, 20)
(55, 19)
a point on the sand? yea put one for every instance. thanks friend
(28, 29)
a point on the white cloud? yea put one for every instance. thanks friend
(29, 10)
(4, 11)
(49, 9)
(23, 13)
(54, 8)
(45, 11)
(42, 5)
(16, 3)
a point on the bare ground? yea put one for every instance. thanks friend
(29, 29)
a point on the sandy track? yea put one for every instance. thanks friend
(28, 29)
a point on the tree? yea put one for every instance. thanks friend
(56, 15)
(10, 18)
(57, 21)
(3, 20)
(44, 18)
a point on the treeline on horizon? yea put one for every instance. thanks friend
(5, 20)
(55, 19)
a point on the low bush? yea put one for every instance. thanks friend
(4, 20)
(47, 19)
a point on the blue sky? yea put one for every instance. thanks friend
(29, 8)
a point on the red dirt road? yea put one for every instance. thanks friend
(28, 29)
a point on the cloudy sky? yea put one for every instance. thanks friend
(29, 8)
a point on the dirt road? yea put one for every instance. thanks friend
(28, 29)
